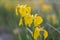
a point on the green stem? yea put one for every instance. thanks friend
(19, 36)
(41, 37)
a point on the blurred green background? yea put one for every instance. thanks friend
(8, 19)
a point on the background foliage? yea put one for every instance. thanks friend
(9, 21)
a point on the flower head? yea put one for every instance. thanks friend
(28, 19)
(46, 7)
(36, 33)
(23, 10)
(37, 20)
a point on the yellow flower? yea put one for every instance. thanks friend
(46, 7)
(53, 19)
(36, 33)
(28, 19)
(45, 34)
(22, 10)
(37, 20)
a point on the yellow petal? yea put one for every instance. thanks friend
(16, 12)
(22, 11)
(53, 19)
(17, 9)
(20, 22)
(36, 33)
(45, 34)
(28, 10)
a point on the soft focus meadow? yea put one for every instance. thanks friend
(29, 19)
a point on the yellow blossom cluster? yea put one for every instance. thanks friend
(38, 31)
(25, 11)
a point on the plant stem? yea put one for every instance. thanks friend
(41, 37)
